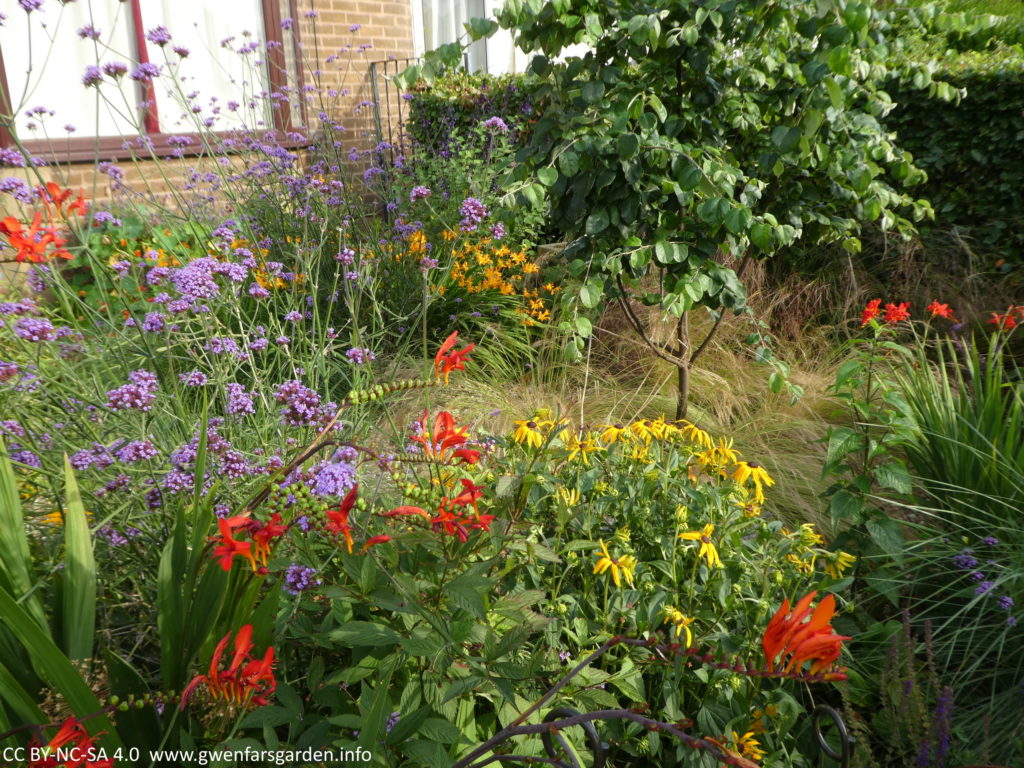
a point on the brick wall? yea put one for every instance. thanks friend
(385, 26)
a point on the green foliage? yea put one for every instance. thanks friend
(456, 104)
(970, 148)
(692, 131)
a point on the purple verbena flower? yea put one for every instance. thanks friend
(473, 212)
(301, 404)
(34, 329)
(360, 355)
(238, 400)
(92, 76)
(139, 394)
(137, 450)
(298, 578)
(115, 69)
(159, 35)
(194, 379)
(419, 193)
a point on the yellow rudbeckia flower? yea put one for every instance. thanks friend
(680, 623)
(838, 563)
(621, 568)
(528, 433)
(751, 470)
(707, 547)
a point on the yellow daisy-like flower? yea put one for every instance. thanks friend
(695, 434)
(707, 547)
(449, 234)
(808, 536)
(680, 623)
(751, 470)
(621, 568)
(570, 498)
(639, 452)
(800, 565)
(528, 433)
(610, 433)
(551, 288)
(644, 429)
(530, 269)
(581, 448)
(748, 745)
(838, 563)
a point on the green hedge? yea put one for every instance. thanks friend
(971, 150)
(456, 104)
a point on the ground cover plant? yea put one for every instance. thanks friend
(322, 453)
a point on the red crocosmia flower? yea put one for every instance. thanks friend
(439, 442)
(246, 683)
(32, 244)
(468, 455)
(264, 533)
(77, 749)
(469, 496)
(448, 522)
(788, 636)
(337, 519)
(1006, 322)
(375, 540)
(445, 361)
(895, 313)
(940, 310)
(229, 546)
(406, 511)
(870, 312)
(52, 194)
(481, 522)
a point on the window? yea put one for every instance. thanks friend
(215, 72)
(437, 22)
(443, 21)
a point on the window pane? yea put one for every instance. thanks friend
(45, 59)
(216, 73)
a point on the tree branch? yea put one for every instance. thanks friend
(721, 315)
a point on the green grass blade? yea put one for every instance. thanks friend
(18, 699)
(79, 594)
(55, 668)
(15, 562)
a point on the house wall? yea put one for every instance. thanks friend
(385, 26)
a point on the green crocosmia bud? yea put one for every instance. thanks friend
(115, 700)
(122, 707)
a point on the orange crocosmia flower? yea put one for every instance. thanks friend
(894, 313)
(375, 540)
(406, 511)
(439, 442)
(1005, 322)
(469, 496)
(31, 244)
(446, 361)
(72, 740)
(870, 312)
(230, 546)
(789, 636)
(940, 310)
(264, 533)
(337, 519)
(241, 686)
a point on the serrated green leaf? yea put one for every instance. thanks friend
(356, 634)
